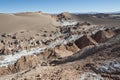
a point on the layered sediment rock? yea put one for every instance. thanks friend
(103, 35)
(85, 41)
(24, 63)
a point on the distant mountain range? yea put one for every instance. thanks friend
(117, 12)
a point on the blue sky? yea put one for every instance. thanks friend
(56, 6)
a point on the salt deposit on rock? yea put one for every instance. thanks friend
(11, 59)
(90, 76)
(110, 66)
(103, 35)
(68, 23)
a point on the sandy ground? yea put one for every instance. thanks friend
(26, 21)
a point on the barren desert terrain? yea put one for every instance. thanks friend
(65, 46)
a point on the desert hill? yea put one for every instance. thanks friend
(97, 19)
(26, 21)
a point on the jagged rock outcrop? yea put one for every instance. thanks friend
(111, 67)
(4, 71)
(26, 62)
(62, 51)
(72, 47)
(117, 31)
(89, 50)
(66, 50)
(103, 35)
(5, 50)
(85, 41)
(65, 16)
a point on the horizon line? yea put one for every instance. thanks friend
(60, 12)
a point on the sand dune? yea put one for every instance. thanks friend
(26, 21)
